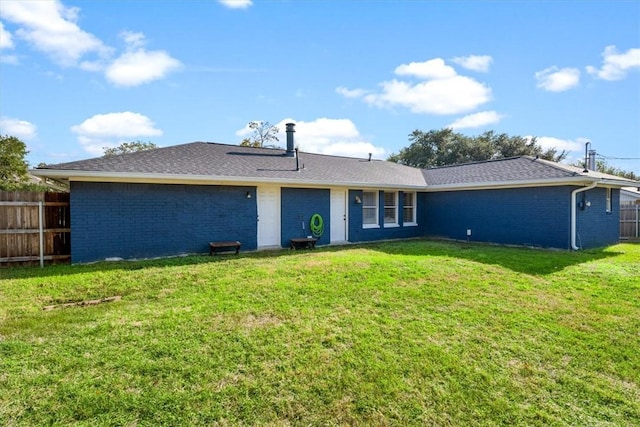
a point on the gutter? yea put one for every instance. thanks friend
(161, 178)
(574, 213)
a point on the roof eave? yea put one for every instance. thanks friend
(92, 176)
(575, 180)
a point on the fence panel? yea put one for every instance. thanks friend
(20, 227)
(630, 222)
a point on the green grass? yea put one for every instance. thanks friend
(403, 333)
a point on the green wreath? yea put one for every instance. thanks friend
(316, 225)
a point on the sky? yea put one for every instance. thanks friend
(357, 77)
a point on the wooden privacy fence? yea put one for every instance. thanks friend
(34, 227)
(630, 222)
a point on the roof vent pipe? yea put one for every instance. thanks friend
(290, 143)
(297, 160)
(369, 156)
(586, 156)
(592, 160)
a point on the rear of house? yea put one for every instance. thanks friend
(175, 200)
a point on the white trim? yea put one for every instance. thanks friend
(395, 222)
(155, 178)
(524, 183)
(414, 208)
(376, 198)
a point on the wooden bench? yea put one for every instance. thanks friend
(222, 246)
(303, 243)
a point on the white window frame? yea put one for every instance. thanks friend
(608, 200)
(394, 222)
(409, 195)
(376, 201)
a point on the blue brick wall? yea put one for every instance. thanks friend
(594, 226)
(359, 234)
(298, 205)
(524, 216)
(151, 220)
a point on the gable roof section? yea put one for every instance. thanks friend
(514, 172)
(211, 163)
(217, 164)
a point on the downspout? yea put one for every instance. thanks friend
(573, 213)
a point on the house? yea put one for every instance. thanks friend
(630, 196)
(177, 199)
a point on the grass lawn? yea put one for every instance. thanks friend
(402, 333)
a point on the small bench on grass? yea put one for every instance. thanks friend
(303, 243)
(215, 247)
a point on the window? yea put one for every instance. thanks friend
(390, 208)
(369, 209)
(609, 206)
(409, 209)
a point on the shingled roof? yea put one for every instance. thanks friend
(229, 163)
(511, 171)
(205, 162)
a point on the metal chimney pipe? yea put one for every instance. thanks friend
(290, 143)
(592, 160)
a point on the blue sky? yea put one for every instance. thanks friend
(357, 77)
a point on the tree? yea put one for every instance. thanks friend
(264, 135)
(446, 147)
(14, 174)
(13, 167)
(129, 147)
(603, 167)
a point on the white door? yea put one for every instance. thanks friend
(338, 216)
(268, 216)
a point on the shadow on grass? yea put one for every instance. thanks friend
(533, 261)
(523, 260)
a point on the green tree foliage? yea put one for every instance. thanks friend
(14, 174)
(446, 147)
(13, 166)
(264, 135)
(603, 167)
(129, 147)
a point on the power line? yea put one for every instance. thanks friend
(618, 158)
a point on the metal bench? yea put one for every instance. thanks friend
(303, 243)
(215, 247)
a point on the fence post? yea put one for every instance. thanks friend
(41, 231)
(637, 221)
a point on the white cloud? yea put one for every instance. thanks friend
(547, 142)
(454, 95)
(137, 66)
(9, 59)
(338, 137)
(351, 93)
(133, 40)
(19, 128)
(111, 129)
(236, 4)
(6, 40)
(476, 120)
(442, 90)
(431, 69)
(51, 28)
(554, 79)
(479, 63)
(616, 65)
